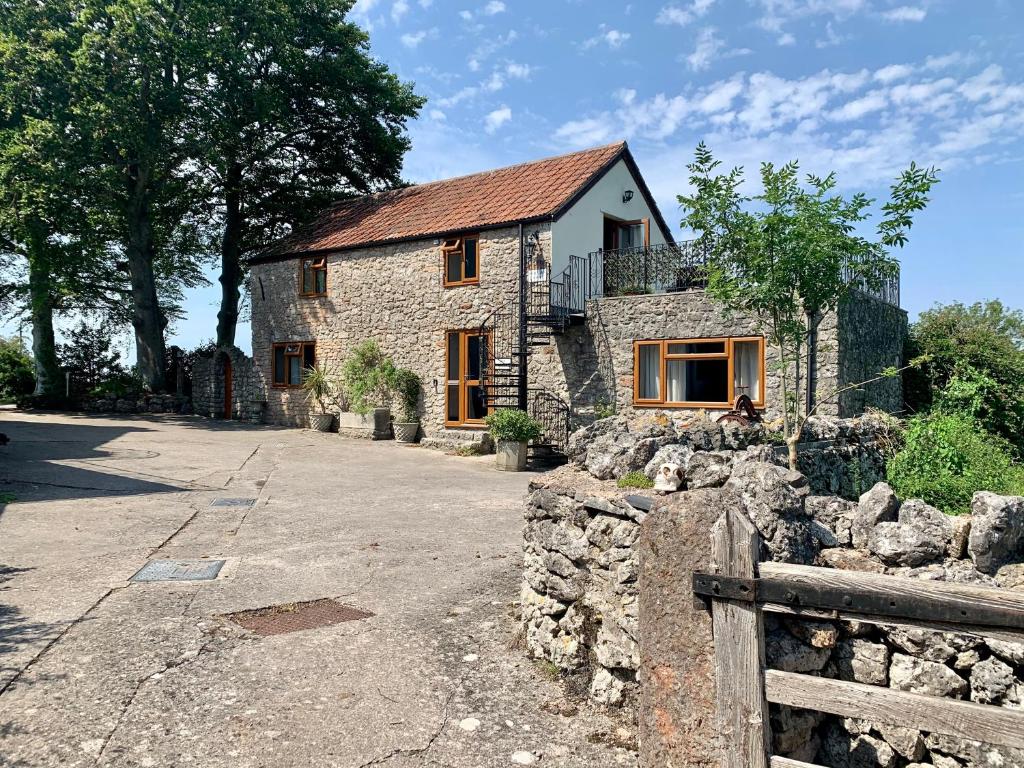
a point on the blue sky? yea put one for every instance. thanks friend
(858, 86)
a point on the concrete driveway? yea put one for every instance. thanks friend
(96, 669)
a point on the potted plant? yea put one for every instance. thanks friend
(320, 390)
(368, 379)
(512, 430)
(407, 390)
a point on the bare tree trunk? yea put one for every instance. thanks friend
(148, 319)
(44, 347)
(230, 258)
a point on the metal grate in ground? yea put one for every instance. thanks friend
(179, 570)
(228, 502)
(295, 617)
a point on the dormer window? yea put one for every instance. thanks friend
(313, 277)
(461, 260)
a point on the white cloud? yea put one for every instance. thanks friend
(674, 14)
(719, 96)
(858, 108)
(426, 3)
(893, 72)
(494, 7)
(708, 46)
(786, 38)
(360, 13)
(466, 15)
(413, 39)
(614, 38)
(518, 71)
(494, 120)
(584, 133)
(438, 115)
(905, 13)
(398, 10)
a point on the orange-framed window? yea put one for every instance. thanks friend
(313, 276)
(289, 362)
(698, 373)
(461, 260)
(465, 399)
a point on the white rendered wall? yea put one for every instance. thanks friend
(581, 229)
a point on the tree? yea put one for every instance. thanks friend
(789, 255)
(296, 114)
(134, 76)
(89, 358)
(975, 365)
(16, 369)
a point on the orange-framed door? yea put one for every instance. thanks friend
(465, 399)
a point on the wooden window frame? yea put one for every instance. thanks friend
(663, 357)
(458, 245)
(464, 384)
(301, 354)
(317, 264)
(645, 223)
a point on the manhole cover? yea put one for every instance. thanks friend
(295, 617)
(179, 570)
(232, 502)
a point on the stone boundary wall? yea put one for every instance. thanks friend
(140, 404)
(248, 389)
(605, 600)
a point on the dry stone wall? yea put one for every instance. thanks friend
(586, 578)
(248, 388)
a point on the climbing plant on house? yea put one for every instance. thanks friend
(790, 254)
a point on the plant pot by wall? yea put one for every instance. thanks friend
(406, 431)
(511, 456)
(374, 425)
(321, 422)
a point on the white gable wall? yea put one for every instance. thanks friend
(580, 230)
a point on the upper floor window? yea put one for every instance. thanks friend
(290, 360)
(701, 373)
(461, 260)
(620, 234)
(313, 277)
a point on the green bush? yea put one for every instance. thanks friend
(407, 390)
(17, 375)
(513, 425)
(947, 457)
(320, 386)
(635, 480)
(368, 378)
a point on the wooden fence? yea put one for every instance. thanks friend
(739, 589)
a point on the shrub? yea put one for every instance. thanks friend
(17, 375)
(947, 457)
(635, 480)
(510, 424)
(91, 360)
(368, 378)
(320, 386)
(407, 390)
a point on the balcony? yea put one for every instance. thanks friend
(681, 266)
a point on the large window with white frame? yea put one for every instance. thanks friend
(698, 373)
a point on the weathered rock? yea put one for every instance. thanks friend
(973, 753)
(818, 634)
(1011, 652)
(834, 514)
(708, 469)
(869, 752)
(961, 531)
(878, 505)
(907, 673)
(863, 661)
(997, 530)
(850, 560)
(991, 680)
(929, 645)
(774, 501)
(788, 654)
(607, 688)
(669, 454)
(921, 535)
(615, 649)
(907, 742)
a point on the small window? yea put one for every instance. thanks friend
(461, 260)
(290, 361)
(313, 277)
(704, 373)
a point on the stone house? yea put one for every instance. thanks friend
(553, 286)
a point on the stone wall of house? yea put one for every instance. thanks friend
(248, 391)
(870, 338)
(584, 546)
(395, 295)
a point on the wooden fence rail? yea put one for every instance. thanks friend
(739, 590)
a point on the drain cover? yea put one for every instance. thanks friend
(295, 617)
(232, 502)
(179, 570)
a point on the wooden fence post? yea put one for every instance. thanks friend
(744, 729)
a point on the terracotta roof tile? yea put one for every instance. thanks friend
(481, 200)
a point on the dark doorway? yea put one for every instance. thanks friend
(228, 394)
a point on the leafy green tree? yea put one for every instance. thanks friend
(296, 114)
(975, 365)
(16, 369)
(790, 254)
(89, 357)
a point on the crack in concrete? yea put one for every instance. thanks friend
(417, 751)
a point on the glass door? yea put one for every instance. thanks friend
(465, 401)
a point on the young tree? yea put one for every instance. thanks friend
(295, 114)
(89, 357)
(789, 255)
(16, 371)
